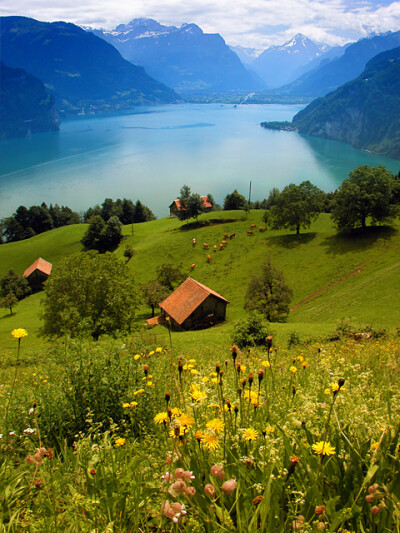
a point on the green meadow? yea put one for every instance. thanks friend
(333, 277)
(185, 433)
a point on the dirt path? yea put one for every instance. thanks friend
(356, 270)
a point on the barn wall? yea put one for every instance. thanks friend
(210, 312)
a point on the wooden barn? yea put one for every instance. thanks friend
(194, 306)
(37, 273)
(175, 207)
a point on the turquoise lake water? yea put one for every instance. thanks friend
(150, 153)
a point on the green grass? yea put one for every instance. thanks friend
(358, 276)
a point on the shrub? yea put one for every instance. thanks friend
(251, 331)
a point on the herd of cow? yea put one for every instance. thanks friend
(223, 243)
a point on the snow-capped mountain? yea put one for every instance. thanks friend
(184, 58)
(246, 55)
(277, 64)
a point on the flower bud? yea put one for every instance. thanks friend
(229, 486)
(320, 509)
(375, 510)
(209, 490)
(257, 500)
(179, 473)
(190, 492)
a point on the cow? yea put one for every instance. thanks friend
(205, 245)
(194, 242)
(192, 267)
(225, 235)
(208, 258)
(261, 229)
(250, 232)
(232, 235)
(253, 225)
(221, 246)
(224, 243)
(215, 247)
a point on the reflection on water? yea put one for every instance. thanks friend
(150, 154)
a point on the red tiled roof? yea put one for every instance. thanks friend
(206, 204)
(39, 264)
(155, 320)
(186, 298)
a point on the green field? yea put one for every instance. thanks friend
(333, 276)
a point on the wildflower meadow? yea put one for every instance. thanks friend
(123, 436)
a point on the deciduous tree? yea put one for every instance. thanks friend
(153, 293)
(366, 193)
(268, 293)
(234, 201)
(89, 293)
(295, 207)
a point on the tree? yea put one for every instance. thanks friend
(92, 240)
(89, 293)
(129, 252)
(268, 293)
(112, 234)
(170, 276)
(234, 201)
(15, 284)
(153, 293)
(9, 301)
(128, 212)
(191, 204)
(40, 219)
(295, 207)
(367, 192)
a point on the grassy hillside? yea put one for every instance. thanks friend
(333, 277)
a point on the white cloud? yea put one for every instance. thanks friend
(257, 23)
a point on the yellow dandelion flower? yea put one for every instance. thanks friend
(205, 379)
(375, 445)
(323, 448)
(175, 411)
(304, 364)
(19, 333)
(199, 434)
(300, 358)
(151, 353)
(126, 405)
(213, 405)
(136, 357)
(119, 442)
(158, 350)
(293, 369)
(216, 424)
(192, 361)
(194, 371)
(198, 395)
(213, 375)
(210, 442)
(133, 404)
(214, 380)
(265, 364)
(140, 391)
(149, 383)
(243, 368)
(185, 420)
(334, 387)
(250, 434)
(161, 418)
(269, 429)
(327, 391)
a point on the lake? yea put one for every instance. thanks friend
(148, 154)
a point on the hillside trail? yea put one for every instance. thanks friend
(355, 271)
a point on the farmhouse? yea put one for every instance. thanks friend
(37, 273)
(194, 306)
(175, 207)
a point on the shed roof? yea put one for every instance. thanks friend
(40, 264)
(186, 298)
(205, 205)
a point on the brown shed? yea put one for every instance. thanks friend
(175, 207)
(37, 273)
(194, 306)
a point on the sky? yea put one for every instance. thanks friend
(248, 23)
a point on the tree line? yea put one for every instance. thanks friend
(27, 222)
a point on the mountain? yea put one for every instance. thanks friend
(78, 68)
(364, 112)
(184, 58)
(277, 64)
(328, 76)
(25, 106)
(246, 55)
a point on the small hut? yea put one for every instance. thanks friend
(194, 306)
(175, 207)
(37, 273)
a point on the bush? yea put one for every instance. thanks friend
(251, 331)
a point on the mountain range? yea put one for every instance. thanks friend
(339, 70)
(184, 58)
(364, 112)
(81, 70)
(25, 105)
(277, 65)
